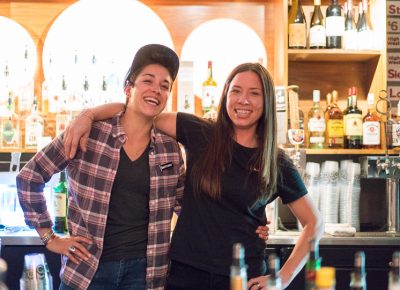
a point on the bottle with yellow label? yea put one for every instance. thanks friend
(238, 274)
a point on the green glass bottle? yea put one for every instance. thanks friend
(312, 266)
(60, 195)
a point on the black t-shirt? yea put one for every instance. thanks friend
(207, 229)
(128, 214)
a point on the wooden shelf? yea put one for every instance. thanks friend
(332, 55)
(22, 150)
(351, 151)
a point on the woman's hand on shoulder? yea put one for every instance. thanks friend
(77, 133)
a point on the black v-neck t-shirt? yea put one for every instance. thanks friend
(207, 229)
(128, 214)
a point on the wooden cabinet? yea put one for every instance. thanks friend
(310, 69)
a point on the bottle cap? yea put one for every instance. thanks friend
(316, 95)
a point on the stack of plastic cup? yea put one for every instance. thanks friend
(350, 198)
(343, 185)
(311, 180)
(36, 274)
(329, 192)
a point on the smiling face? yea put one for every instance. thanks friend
(149, 93)
(245, 101)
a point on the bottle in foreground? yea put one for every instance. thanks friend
(274, 281)
(326, 278)
(60, 205)
(312, 266)
(394, 274)
(358, 276)
(238, 274)
(3, 274)
(36, 274)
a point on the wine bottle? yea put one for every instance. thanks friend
(60, 195)
(238, 275)
(364, 29)
(394, 274)
(353, 123)
(317, 27)
(358, 276)
(334, 123)
(312, 266)
(350, 30)
(297, 26)
(371, 126)
(209, 94)
(316, 123)
(334, 25)
(274, 281)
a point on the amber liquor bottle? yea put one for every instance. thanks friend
(334, 122)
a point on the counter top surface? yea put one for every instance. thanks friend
(360, 238)
(24, 238)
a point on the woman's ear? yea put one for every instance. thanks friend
(127, 91)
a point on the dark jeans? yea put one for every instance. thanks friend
(184, 277)
(121, 275)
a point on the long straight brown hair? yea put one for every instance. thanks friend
(207, 171)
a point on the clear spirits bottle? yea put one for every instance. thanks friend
(358, 276)
(274, 281)
(34, 127)
(209, 93)
(10, 124)
(316, 123)
(394, 274)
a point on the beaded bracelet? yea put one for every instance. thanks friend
(47, 237)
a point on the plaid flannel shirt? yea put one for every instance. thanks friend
(90, 177)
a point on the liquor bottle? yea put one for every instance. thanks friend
(316, 123)
(212, 113)
(238, 275)
(353, 123)
(334, 123)
(350, 29)
(297, 26)
(334, 25)
(312, 266)
(317, 27)
(364, 29)
(209, 93)
(60, 195)
(358, 276)
(9, 124)
(393, 127)
(3, 274)
(26, 88)
(274, 281)
(62, 116)
(325, 278)
(394, 274)
(371, 126)
(34, 127)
